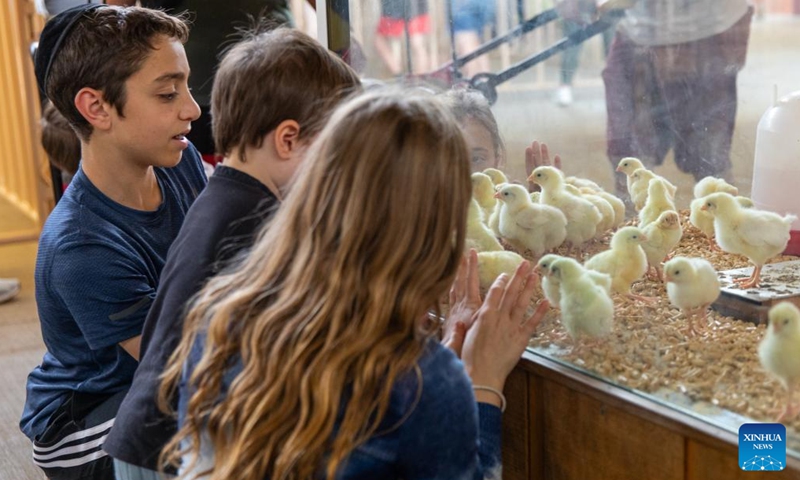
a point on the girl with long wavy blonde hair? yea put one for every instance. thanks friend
(313, 357)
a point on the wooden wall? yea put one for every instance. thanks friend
(23, 168)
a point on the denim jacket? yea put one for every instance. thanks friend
(446, 434)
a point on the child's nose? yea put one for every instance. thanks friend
(191, 110)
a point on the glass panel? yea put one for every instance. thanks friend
(679, 84)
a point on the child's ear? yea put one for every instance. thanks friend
(91, 105)
(287, 139)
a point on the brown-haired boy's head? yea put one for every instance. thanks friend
(272, 77)
(59, 140)
(103, 48)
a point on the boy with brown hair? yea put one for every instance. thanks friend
(119, 77)
(270, 97)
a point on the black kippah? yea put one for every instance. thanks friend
(53, 35)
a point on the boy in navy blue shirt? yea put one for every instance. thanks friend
(119, 77)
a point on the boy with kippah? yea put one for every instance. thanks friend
(119, 77)
(294, 82)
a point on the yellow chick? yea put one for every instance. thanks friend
(640, 182)
(704, 221)
(582, 183)
(582, 216)
(586, 307)
(496, 175)
(663, 236)
(779, 352)
(692, 286)
(492, 264)
(483, 192)
(550, 285)
(479, 236)
(527, 225)
(605, 208)
(625, 262)
(757, 234)
(618, 206)
(658, 201)
(710, 185)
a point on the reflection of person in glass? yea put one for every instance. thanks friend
(670, 83)
(470, 18)
(392, 26)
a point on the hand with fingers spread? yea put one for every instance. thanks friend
(538, 155)
(502, 330)
(465, 300)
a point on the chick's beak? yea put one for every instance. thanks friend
(704, 208)
(496, 195)
(618, 169)
(643, 237)
(531, 178)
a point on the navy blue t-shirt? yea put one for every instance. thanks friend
(97, 270)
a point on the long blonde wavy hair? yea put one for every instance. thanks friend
(331, 301)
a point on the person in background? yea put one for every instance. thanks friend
(262, 149)
(119, 77)
(486, 147)
(284, 372)
(670, 82)
(574, 16)
(469, 22)
(392, 27)
(60, 143)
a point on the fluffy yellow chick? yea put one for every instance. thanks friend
(582, 216)
(605, 208)
(640, 182)
(492, 264)
(582, 183)
(692, 286)
(625, 262)
(527, 225)
(496, 175)
(550, 285)
(479, 236)
(483, 192)
(663, 236)
(757, 234)
(586, 307)
(658, 201)
(710, 185)
(704, 221)
(779, 351)
(618, 206)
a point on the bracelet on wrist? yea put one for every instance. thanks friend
(496, 392)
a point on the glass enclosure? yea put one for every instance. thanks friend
(681, 85)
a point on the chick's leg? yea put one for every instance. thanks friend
(712, 242)
(751, 282)
(789, 411)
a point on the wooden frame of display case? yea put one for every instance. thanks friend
(562, 424)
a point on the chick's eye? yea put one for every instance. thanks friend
(506, 194)
(636, 236)
(786, 321)
(677, 272)
(538, 175)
